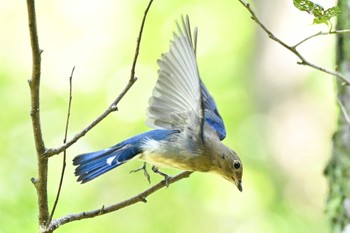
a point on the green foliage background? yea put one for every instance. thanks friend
(279, 116)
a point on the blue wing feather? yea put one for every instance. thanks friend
(211, 113)
(94, 164)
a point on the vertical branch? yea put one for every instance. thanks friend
(338, 168)
(40, 182)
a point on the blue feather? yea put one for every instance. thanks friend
(94, 164)
(211, 113)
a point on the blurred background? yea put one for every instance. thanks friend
(279, 115)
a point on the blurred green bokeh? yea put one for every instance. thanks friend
(279, 116)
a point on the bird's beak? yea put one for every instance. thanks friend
(239, 185)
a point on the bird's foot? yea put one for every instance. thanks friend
(145, 172)
(166, 176)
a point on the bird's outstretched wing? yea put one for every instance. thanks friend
(179, 97)
(176, 97)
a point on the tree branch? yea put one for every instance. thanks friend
(293, 49)
(113, 107)
(344, 111)
(40, 182)
(321, 34)
(104, 210)
(64, 141)
(43, 154)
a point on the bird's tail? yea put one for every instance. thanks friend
(94, 164)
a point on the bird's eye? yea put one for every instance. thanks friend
(236, 164)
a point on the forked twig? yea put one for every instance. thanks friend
(113, 107)
(321, 34)
(293, 49)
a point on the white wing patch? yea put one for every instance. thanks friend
(110, 160)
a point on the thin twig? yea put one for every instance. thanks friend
(344, 111)
(64, 141)
(113, 107)
(40, 182)
(293, 49)
(104, 210)
(309, 37)
(138, 42)
(320, 33)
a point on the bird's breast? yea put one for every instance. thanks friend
(165, 160)
(162, 155)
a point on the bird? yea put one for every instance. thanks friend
(187, 127)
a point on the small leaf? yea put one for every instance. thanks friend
(319, 20)
(332, 12)
(317, 10)
(304, 5)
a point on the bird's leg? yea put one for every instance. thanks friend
(166, 176)
(145, 172)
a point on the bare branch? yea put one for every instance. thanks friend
(321, 34)
(40, 182)
(138, 42)
(34, 82)
(293, 49)
(104, 210)
(308, 38)
(113, 107)
(64, 141)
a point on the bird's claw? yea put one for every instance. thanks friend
(166, 176)
(145, 172)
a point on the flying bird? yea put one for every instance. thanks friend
(187, 127)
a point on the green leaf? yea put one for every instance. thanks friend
(304, 5)
(332, 12)
(317, 10)
(321, 15)
(320, 20)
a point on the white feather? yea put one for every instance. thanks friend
(110, 160)
(175, 101)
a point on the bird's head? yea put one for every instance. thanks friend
(227, 164)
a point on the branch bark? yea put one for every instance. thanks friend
(338, 168)
(40, 182)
